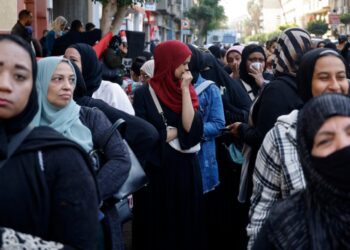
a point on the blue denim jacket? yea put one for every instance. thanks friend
(212, 110)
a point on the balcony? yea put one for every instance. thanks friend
(175, 11)
(162, 6)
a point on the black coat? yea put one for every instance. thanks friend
(112, 174)
(48, 190)
(279, 97)
(141, 136)
(175, 208)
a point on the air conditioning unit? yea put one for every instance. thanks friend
(49, 4)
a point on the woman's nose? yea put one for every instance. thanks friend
(334, 85)
(5, 82)
(67, 84)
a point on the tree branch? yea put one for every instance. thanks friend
(118, 18)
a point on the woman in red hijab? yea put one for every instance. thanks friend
(172, 210)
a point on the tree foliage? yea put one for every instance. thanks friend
(262, 38)
(287, 26)
(345, 18)
(207, 15)
(317, 27)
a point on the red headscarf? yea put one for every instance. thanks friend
(167, 57)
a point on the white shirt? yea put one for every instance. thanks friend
(115, 96)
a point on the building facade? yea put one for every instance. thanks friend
(301, 12)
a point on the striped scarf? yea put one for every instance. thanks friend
(291, 45)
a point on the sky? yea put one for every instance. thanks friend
(234, 8)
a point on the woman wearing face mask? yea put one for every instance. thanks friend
(252, 68)
(39, 194)
(319, 216)
(176, 185)
(56, 82)
(277, 98)
(278, 172)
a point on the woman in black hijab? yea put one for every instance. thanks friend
(40, 194)
(89, 65)
(253, 78)
(89, 78)
(321, 71)
(229, 220)
(235, 99)
(216, 52)
(318, 217)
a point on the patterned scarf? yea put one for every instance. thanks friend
(291, 45)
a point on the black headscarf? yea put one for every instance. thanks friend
(75, 26)
(329, 207)
(307, 67)
(80, 87)
(91, 67)
(243, 71)
(235, 99)
(196, 64)
(9, 127)
(215, 50)
(318, 217)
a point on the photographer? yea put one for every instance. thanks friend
(112, 59)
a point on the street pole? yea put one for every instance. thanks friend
(181, 17)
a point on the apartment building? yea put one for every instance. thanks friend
(301, 12)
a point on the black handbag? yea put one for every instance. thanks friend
(124, 211)
(136, 179)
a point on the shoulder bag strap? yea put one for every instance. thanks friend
(249, 90)
(200, 88)
(156, 102)
(15, 142)
(105, 139)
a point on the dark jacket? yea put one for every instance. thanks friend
(19, 30)
(111, 175)
(47, 190)
(141, 136)
(279, 97)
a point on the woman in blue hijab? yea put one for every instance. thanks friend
(64, 119)
(56, 83)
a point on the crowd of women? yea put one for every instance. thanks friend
(248, 152)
